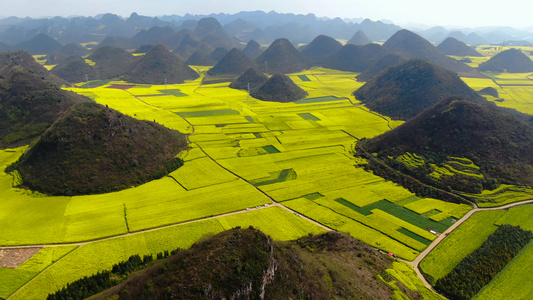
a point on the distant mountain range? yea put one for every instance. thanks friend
(244, 26)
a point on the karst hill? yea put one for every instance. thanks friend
(235, 62)
(160, 66)
(29, 104)
(410, 45)
(359, 38)
(401, 92)
(279, 88)
(250, 79)
(247, 264)
(486, 144)
(452, 46)
(92, 149)
(512, 61)
(320, 48)
(281, 57)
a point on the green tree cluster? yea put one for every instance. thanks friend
(478, 268)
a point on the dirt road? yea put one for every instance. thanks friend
(415, 263)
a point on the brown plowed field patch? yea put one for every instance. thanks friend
(14, 257)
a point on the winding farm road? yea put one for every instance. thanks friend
(416, 263)
(273, 203)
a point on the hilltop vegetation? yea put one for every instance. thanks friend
(218, 54)
(320, 48)
(75, 70)
(188, 45)
(93, 149)
(25, 60)
(478, 144)
(40, 44)
(281, 57)
(512, 61)
(410, 45)
(65, 53)
(251, 79)
(477, 269)
(490, 91)
(156, 66)
(252, 49)
(359, 38)
(244, 263)
(233, 63)
(111, 62)
(452, 46)
(200, 58)
(29, 105)
(355, 58)
(159, 66)
(279, 88)
(401, 92)
(386, 61)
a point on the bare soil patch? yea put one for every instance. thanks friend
(14, 257)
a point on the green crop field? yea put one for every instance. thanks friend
(243, 153)
(101, 255)
(515, 90)
(514, 281)
(13, 279)
(511, 282)
(502, 195)
(518, 216)
(461, 242)
(367, 234)
(403, 273)
(438, 210)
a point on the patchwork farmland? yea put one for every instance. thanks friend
(285, 168)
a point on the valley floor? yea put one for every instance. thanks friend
(285, 168)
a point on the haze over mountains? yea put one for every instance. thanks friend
(295, 156)
(257, 25)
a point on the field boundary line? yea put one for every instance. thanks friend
(416, 263)
(41, 272)
(365, 225)
(370, 111)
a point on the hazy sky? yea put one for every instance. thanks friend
(458, 13)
